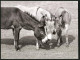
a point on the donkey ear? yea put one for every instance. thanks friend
(42, 22)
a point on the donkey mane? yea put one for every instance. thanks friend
(31, 16)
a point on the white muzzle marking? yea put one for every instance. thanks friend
(48, 37)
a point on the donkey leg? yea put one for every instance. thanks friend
(61, 40)
(13, 31)
(41, 44)
(37, 44)
(58, 41)
(59, 37)
(67, 42)
(16, 38)
(66, 35)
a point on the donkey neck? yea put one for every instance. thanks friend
(30, 22)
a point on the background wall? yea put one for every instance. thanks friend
(48, 5)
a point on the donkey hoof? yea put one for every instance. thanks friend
(17, 49)
(67, 45)
(50, 46)
(58, 45)
(37, 48)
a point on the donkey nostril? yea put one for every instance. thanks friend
(54, 32)
(48, 41)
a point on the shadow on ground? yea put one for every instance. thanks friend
(31, 40)
(70, 37)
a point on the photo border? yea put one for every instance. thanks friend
(50, 0)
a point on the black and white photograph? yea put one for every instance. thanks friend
(39, 30)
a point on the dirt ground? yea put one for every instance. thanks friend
(27, 39)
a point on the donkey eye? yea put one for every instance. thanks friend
(55, 17)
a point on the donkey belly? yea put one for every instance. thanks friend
(6, 25)
(28, 27)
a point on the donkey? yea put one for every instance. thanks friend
(15, 19)
(63, 20)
